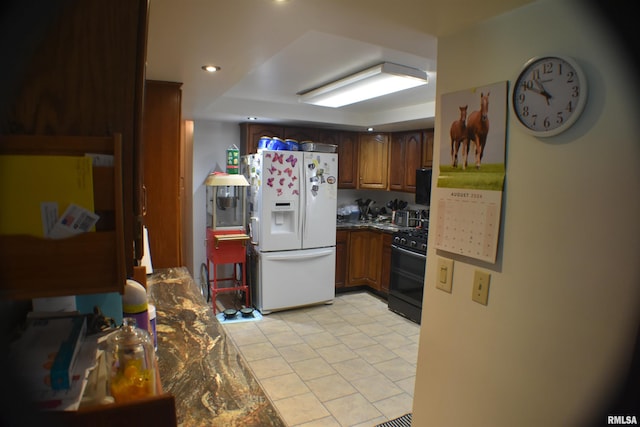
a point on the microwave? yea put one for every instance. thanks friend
(423, 186)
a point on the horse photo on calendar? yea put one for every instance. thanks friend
(472, 152)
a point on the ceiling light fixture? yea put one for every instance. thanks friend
(211, 68)
(379, 80)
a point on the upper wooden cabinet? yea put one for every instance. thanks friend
(250, 134)
(347, 143)
(82, 75)
(373, 161)
(427, 148)
(405, 158)
(301, 134)
(162, 157)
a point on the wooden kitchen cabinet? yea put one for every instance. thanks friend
(342, 257)
(84, 79)
(365, 254)
(385, 267)
(250, 134)
(405, 158)
(373, 161)
(301, 134)
(162, 142)
(347, 143)
(427, 148)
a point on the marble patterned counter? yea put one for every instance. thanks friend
(198, 364)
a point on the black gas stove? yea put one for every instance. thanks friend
(406, 280)
(414, 240)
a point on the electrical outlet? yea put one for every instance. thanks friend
(481, 281)
(444, 277)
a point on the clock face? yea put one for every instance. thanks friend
(549, 95)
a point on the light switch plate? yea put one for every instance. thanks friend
(481, 281)
(444, 276)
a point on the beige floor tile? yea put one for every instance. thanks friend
(393, 340)
(408, 352)
(247, 337)
(322, 339)
(357, 318)
(271, 367)
(396, 369)
(352, 409)
(297, 352)
(273, 326)
(306, 327)
(300, 409)
(283, 339)
(354, 369)
(406, 328)
(330, 387)
(284, 386)
(395, 406)
(376, 387)
(312, 368)
(336, 353)
(372, 422)
(374, 329)
(258, 351)
(375, 353)
(357, 340)
(343, 329)
(407, 384)
(323, 422)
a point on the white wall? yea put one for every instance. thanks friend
(210, 142)
(564, 300)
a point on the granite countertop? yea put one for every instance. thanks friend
(198, 363)
(374, 225)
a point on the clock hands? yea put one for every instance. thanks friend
(541, 90)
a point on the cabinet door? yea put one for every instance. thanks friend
(412, 160)
(375, 262)
(162, 172)
(301, 134)
(373, 161)
(396, 162)
(385, 268)
(342, 247)
(250, 134)
(83, 77)
(358, 268)
(347, 143)
(427, 148)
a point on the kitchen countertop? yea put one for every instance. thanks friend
(198, 363)
(382, 226)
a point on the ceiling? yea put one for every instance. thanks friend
(271, 50)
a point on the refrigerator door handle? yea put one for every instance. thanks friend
(302, 257)
(254, 230)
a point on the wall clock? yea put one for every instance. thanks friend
(549, 94)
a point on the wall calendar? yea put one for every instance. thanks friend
(472, 171)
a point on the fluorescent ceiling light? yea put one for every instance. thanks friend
(373, 82)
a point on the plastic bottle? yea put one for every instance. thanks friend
(135, 303)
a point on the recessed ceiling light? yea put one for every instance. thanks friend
(252, 118)
(370, 129)
(211, 68)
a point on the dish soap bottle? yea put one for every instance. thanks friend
(132, 374)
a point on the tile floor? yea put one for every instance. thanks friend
(350, 363)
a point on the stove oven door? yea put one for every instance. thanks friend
(407, 282)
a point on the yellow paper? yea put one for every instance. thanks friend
(26, 182)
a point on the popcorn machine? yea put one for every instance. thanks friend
(226, 237)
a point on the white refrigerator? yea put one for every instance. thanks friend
(292, 224)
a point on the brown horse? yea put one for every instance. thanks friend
(459, 138)
(478, 128)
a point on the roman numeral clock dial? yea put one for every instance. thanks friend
(549, 95)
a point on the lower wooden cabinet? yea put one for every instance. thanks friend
(385, 267)
(363, 258)
(342, 255)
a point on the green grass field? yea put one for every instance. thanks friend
(488, 177)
